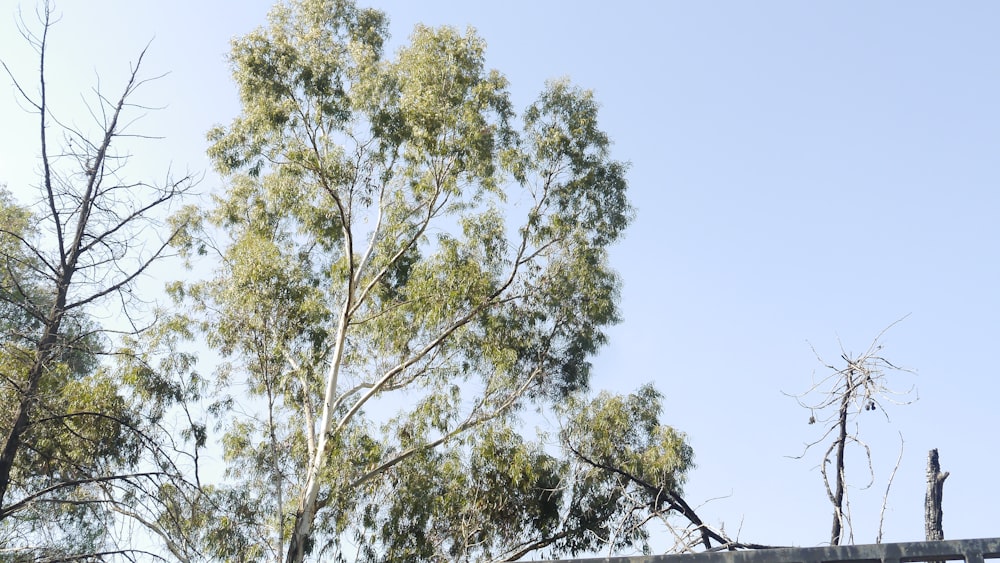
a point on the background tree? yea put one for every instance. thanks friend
(78, 446)
(843, 396)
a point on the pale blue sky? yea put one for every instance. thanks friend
(803, 172)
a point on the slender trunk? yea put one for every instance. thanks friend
(300, 542)
(838, 495)
(932, 502)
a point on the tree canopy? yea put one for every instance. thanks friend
(403, 265)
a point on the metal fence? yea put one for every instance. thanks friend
(971, 551)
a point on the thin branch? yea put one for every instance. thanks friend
(885, 497)
(28, 500)
(470, 422)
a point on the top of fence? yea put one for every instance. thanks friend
(971, 551)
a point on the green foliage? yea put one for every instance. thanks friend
(467, 503)
(625, 433)
(65, 438)
(81, 421)
(626, 467)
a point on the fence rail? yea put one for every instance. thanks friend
(970, 551)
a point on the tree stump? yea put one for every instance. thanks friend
(932, 501)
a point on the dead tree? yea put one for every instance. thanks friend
(92, 233)
(836, 403)
(932, 501)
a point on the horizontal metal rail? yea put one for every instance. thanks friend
(970, 551)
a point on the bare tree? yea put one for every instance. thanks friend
(73, 438)
(836, 403)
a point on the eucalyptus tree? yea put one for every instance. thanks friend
(403, 265)
(77, 449)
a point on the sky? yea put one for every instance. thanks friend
(805, 174)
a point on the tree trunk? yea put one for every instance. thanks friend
(932, 502)
(837, 531)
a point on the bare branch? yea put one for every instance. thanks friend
(885, 497)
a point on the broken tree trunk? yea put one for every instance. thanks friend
(932, 502)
